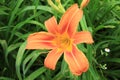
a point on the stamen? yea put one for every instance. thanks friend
(63, 41)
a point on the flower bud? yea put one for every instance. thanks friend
(84, 3)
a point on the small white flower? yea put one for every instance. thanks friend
(107, 50)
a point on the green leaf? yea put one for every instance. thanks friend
(12, 17)
(4, 45)
(29, 60)
(94, 73)
(6, 78)
(117, 60)
(19, 59)
(36, 73)
(44, 8)
(9, 49)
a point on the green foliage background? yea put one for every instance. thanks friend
(19, 18)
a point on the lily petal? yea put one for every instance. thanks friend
(67, 17)
(52, 58)
(76, 60)
(83, 37)
(74, 22)
(51, 25)
(40, 40)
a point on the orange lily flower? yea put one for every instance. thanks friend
(63, 38)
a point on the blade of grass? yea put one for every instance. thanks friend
(19, 59)
(36, 73)
(20, 25)
(12, 16)
(29, 60)
(115, 60)
(4, 45)
(9, 49)
(44, 8)
(6, 78)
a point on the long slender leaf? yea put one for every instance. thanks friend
(19, 59)
(36, 73)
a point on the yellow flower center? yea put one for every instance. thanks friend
(63, 41)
